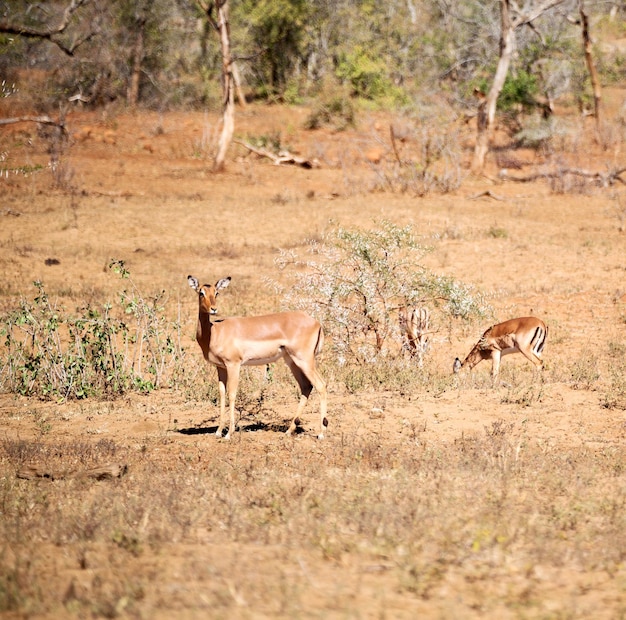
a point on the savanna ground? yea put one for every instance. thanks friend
(438, 499)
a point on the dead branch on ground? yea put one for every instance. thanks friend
(44, 120)
(104, 472)
(283, 157)
(488, 193)
(604, 178)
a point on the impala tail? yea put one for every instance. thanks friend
(320, 341)
(539, 340)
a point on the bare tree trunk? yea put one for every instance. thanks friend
(487, 107)
(228, 128)
(132, 95)
(593, 74)
(222, 26)
(237, 79)
(228, 87)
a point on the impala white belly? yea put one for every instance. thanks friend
(261, 361)
(509, 351)
(227, 350)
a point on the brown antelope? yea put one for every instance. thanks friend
(231, 343)
(526, 335)
(414, 325)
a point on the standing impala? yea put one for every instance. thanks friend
(526, 335)
(255, 341)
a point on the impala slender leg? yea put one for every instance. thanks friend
(531, 357)
(222, 382)
(308, 378)
(320, 386)
(305, 391)
(495, 368)
(296, 418)
(233, 384)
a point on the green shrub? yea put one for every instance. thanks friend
(367, 75)
(102, 352)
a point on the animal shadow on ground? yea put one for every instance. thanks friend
(243, 427)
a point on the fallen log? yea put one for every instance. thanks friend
(283, 157)
(44, 120)
(104, 472)
(604, 178)
(488, 193)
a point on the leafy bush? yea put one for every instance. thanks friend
(332, 108)
(356, 281)
(519, 89)
(50, 353)
(366, 75)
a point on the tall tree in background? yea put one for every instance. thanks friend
(588, 49)
(277, 30)
(139, 23)
(509, 23)
(217, 13)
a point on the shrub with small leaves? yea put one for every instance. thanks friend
(50, 353)
(356, 281)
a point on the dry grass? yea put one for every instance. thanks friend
(490, 511)
(428, 498)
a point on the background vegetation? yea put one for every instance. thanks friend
(400, 53)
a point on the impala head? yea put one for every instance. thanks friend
(207, 293)
(476, 355)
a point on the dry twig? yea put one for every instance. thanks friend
(487, 193)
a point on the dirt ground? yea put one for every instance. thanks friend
(144, 193)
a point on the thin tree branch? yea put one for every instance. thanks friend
(44, 120)
(49, 32)
(536, 11)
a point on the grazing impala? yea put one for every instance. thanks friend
(415, 329)
(526, 335)
(255, 341)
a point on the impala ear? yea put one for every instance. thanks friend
(193, 283)
(223, 283)
(457, 365)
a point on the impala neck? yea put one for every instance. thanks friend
(204, 319)
(203, 330)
